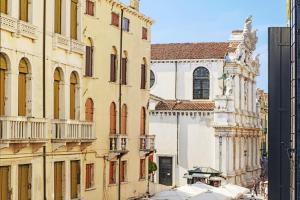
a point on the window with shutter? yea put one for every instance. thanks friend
(113, 118)
(74, 19)
(124, 120)
(143, 77)
(22, 89)
(56, 92)
(112, 172)
(123, 171)
(23, 10)
(126, 23)
(57, 16)
(89, 176)
(24, 182)
(113, 59)
(143, 121)
(73, 83)
(115, 19)
(3, 6)
(124, 71)
(89, 110)
(59, 180)
(75, 179)
(90, 7)
(3, 69)
(144, 33)
(142, 169)
(89, 61)
(4, 182)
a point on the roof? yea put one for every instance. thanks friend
(185, 105)
(176, 51)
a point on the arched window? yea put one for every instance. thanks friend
(89, 58)
(113, 65)
(152, 78)
(56, 94)
(73, 84)
(201, 83)
(89, 110)
(124, 120)
(113, 118)
(143, 74)
(143, 121)
(22, 89)
(3, 68)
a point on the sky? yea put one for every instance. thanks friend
(213, 20)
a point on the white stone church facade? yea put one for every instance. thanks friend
(203, 108)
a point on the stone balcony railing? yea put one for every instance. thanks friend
(118, 143)
(18, 27)
(147, 143)
(60, 41)
(72, 131)
(22, 130)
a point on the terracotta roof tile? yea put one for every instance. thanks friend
(185, 105)
(174, 51)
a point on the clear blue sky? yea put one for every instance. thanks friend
(213, 20)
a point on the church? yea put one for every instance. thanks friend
(203, 108)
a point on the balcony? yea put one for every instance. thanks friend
(21, 131)
(118, 143)
(70, 45)
(147, 143)
(72, 133)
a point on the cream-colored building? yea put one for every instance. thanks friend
(79, 117)
(263, 115)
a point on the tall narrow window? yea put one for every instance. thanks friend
(4, 182)
(3, 68)
(3, 6)
(89, 59)
(22, 89)
(152, 78)
(23, 10)
(201, 83)
(124, 71)
(73, 23)
(143, 121)
(113, 65)
(112, 172)
(57, 17)
(143, 76)
(123, 171)
(89, 110)
(59, 180)
(73, 84)
(56, 94)
(142, 168)
(124, 120)
(144, 33)
(115, 18)
(126, 23)
(24, 182)
(113, 118)
(89, 7)
(75, 179)
(89, 176)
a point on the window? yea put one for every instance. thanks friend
(142, 168)
(201, 83)
(22, 89)
(89, 110)
(75, 179)
(5, 182)
(3, 8)
(59, 180)
(74, 4)
(123, 171)
(124, 120)
(56, 92)
(90, 7)
(113, 63)
(112, 172)
(115, 19)
(3, 69)
(89, 176)
(152, 78)
(73, 84)
(124, 71)
(143, 76)
(24, 182)
(143, 121)
(57, 16)
(126, 23)
(89, 59)
(23, 10)
(145, 33)
(113, 119)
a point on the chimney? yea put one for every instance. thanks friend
(135, 4)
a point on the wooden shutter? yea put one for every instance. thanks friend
(115, 19)
(57, 26)
(3, 6)
(73, 82)
(113, 67)
(58, 181)
(23, 11)
(74, 19)
(4, 182)
(22, 96)
(24, 182)
(124, 71)
(89, 110)
(88, 63)
(75, 179)
(143, 77)
(124, 120)
(144, 33)
(3, 68)
(113, 118)
(112, 172)
(143, 119)
(56, 93)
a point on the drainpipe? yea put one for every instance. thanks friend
(44, 95)
(177, 114)
(120, 99)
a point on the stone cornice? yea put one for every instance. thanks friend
(187, 61)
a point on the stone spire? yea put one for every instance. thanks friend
(135, 4)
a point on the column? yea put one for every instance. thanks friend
(231, 158)
(249, 152)
(254, 96)
(242, 93)
(66, 17)
(14, 9)
(237, 91)
(249, 96)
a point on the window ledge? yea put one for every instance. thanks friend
(142, 179)
(90, 77)
(112, 184)
(90, 189)
(124, 183)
